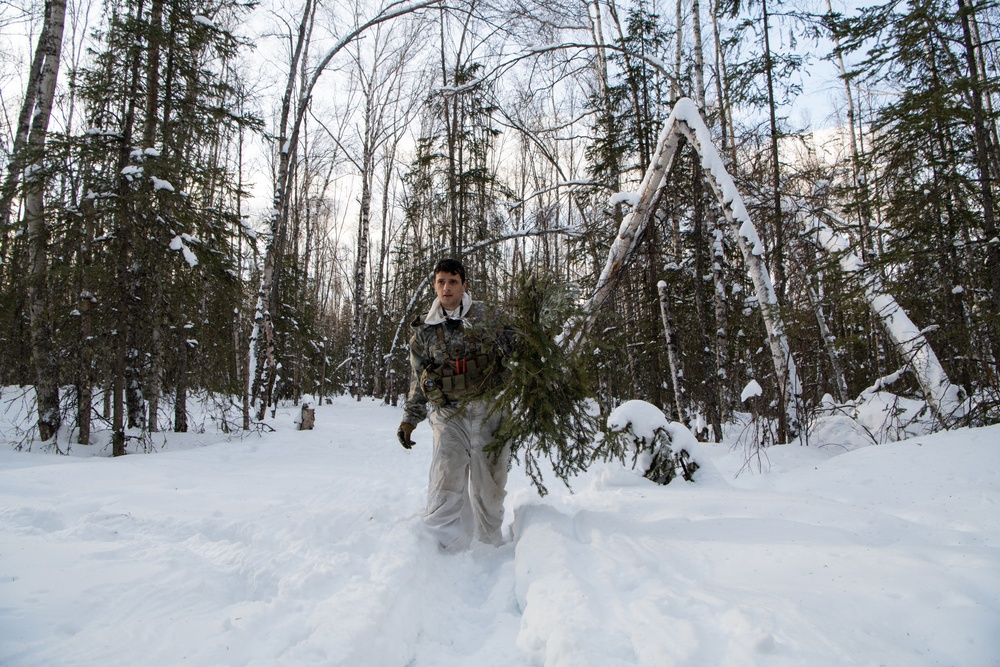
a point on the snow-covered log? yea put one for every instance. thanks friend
(943, 398)
(685, 121)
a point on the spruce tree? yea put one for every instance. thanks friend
(162, 199)
(924, 151)
(547, 394)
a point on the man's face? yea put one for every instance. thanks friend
(450, 289)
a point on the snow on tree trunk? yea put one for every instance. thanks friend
(719, 303)
(46, 365)
(250, 365)
(704, 256)
(685, 122)
(943, 398)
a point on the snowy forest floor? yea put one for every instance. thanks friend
(305, 548)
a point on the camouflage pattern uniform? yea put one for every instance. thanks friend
(466, 486)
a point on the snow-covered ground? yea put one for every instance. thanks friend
(305, 548)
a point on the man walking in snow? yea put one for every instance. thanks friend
(456, 353)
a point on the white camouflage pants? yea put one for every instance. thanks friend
(465, 491)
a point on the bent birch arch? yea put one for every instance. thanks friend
(686, 122)
(942, 397)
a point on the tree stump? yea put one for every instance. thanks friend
(307, 420)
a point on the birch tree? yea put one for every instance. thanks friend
(684, 122)
(943, 398)
(262, 362)
(46, 366)
(380, 76)
(293, 112)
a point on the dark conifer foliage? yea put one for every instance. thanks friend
(936, 251)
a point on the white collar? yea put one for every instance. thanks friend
(436, 314)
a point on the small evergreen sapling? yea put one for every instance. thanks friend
(546, 393)
(656, 445)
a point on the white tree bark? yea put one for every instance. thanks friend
(685, 122)
(46, 367)
(943, 398)
(699, 57)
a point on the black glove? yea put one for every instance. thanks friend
(405, 429)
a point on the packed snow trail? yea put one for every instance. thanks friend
(306, 548)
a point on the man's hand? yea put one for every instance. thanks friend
(403, 434)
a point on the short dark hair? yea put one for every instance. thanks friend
(450, 265)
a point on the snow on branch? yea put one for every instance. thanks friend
(685, 122)
(177, 243)
(160, 184)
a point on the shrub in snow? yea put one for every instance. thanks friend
(659, 447)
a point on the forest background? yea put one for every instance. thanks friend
(244, 201)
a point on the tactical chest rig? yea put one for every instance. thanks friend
(457, 379)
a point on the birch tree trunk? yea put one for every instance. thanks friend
(358, 331)
(261, 356)
(720, 302)
(46, 365)
(702, 269)
(180, 389)
(85, 360)
(816, 301)
(16, 164)
(379, 70)
(379, 374)
(155, 374)
(685, 122)
(675, 87)
(728, 141)
(597, 35)
(699, 58)
(123, 372)
(290, 127)
(718, 256)
(943, 398)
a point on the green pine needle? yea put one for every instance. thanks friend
(550, 412)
